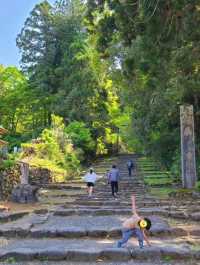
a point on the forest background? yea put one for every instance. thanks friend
(95, 74)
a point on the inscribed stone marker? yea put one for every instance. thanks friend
(188, 147)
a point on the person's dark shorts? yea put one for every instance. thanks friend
(90, 184)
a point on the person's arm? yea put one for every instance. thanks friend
(146, 238)
(85, 177)
(133, 204)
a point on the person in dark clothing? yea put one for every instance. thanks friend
(113, 178)
(130, 166)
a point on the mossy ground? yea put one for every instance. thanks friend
(159, 182)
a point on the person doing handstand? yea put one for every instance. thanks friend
(135, 226)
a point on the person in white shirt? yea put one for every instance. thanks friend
(90, 178)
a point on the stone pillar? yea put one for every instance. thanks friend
(24, 192)
(24, 177)
(188, 147)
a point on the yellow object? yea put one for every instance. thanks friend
(143, 224)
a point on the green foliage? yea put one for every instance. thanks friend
(66, 74)
(198, 185)
(176, 166)
(9, 162)
(161, 192)
(81, 136)
(53, 150)
(152, 51)
(167, 258)
(115, 71)
(158, 181)
(14, 96)
(10, 260)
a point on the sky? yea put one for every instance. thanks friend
(13, 14)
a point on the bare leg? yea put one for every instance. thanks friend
(90, 191)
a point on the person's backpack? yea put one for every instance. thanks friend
(130, 164)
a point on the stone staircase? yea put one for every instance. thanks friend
(66, 227)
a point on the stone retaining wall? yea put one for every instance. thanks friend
(10, 178)
(40, 176)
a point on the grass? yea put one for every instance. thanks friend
(159, 176)
(167, 259)
(162, 192)
(198, 185)
(153, 176)
(153, 172)
(195, 247)
(181, 193)
(158, 181)
(10, 260)
(43, 258)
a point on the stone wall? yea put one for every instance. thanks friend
(9, 178)
(40, 176)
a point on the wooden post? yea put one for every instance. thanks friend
(188, 147)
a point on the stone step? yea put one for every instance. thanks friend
(100, 203)
(40, 226)
(61, 187)
(122, 201)
(97, 192)
(122, 183)
(91, 251)
(11, 216)
(91, 212)
(103, 186)
(86, 230)
(101, 199)
(98, 262)
(94, 211)
(122, 188)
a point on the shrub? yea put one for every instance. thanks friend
(54, 150)
(81, 136)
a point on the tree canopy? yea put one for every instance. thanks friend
(107, 68)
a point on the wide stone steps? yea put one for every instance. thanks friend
(76, 226)
(88, 250)
(71, 229)
(155, 261)
(92, 211)
(131, 262)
